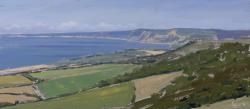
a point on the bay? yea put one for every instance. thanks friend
(25, 51)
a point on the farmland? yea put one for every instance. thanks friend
(105, 68)
(83, 79)
(112, 96)
(194, 79)
(6, 98)
(8, 81)
(18, 90)
(145, 87)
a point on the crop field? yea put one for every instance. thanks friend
(56, 74)
(83, 81)
(7, 98)
(112, 96)
(18, 90)
(8, 81)
(240, 103)
(145, 87)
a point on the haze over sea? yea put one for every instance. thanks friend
(17, 51)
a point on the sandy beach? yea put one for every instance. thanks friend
(34, 68)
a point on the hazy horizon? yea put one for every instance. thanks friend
(57, 16)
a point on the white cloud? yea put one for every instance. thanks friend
(67, 25)
(40, 27)
(114, 26)
(12, 27)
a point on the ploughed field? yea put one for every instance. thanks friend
(15, 80)
(12, 99)
(16, 89)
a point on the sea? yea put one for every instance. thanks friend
(25, 51)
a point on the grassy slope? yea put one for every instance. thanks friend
(200, 45)
(119, 95)
(61, 86)
(240, 103)
(230, 77)
(197, 46)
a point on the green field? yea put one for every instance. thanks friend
(84, 78)
(105, 68)
(115, 96)
(8, 81)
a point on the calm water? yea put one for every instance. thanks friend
(15, 52)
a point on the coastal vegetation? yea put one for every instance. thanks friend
(126, 56)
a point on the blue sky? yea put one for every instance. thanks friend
(39, 16)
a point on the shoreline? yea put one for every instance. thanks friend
(34, 67)
(45, 67)
(24, 69)
(88, 37)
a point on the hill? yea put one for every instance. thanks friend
(210, 76)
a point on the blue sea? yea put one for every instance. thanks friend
(23, 51)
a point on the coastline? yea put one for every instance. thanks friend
(24, 69)
(44, 66)
(90, 37)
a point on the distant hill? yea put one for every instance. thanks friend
(171, 36)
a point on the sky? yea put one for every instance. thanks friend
(45, 16)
